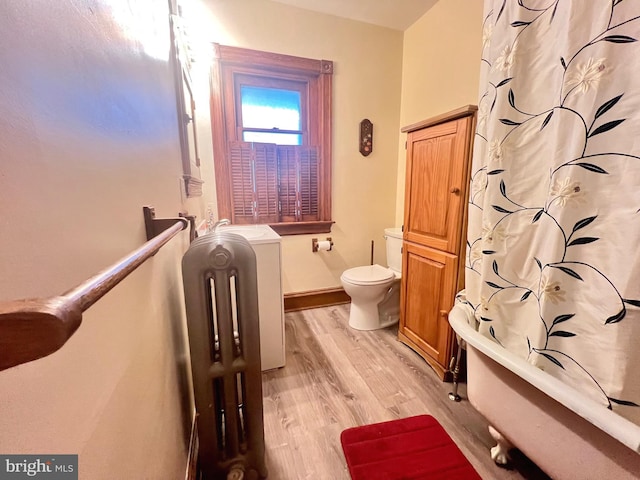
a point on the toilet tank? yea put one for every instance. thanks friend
(393, 236)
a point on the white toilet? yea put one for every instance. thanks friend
(374, 289)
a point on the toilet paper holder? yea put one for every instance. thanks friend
(315, 244)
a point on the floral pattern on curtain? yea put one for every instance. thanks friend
(553, 257)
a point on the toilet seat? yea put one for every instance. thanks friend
(368, 275)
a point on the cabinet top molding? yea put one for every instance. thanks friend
(444, 117)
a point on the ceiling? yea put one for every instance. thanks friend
(396, 14)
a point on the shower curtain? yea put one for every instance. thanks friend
(553, 252)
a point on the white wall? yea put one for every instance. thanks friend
(88, 135)
(366, 84)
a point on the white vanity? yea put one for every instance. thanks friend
(266, 244)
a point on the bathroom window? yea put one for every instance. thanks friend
(272, 139)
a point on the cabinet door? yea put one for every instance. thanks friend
(428, 289)
(436, 180)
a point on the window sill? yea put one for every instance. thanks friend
(301, 228)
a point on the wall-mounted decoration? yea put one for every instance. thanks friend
(366, 137)
(181, 63)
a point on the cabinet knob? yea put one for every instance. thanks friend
(455, 190)
(444, 313)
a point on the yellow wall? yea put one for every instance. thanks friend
(440, 69)
(88, 135)
(366, 84)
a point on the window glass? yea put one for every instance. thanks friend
(272, 137)
(270, 108)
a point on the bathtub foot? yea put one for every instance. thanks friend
(454, 397)
(500, 453)
(454, 367)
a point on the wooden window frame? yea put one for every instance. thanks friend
(228, 62)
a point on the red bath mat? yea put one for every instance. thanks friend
(414, 448)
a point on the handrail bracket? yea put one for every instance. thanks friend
(155, 226)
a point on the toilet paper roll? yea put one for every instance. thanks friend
(324, 245)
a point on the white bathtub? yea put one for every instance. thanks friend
(565, 433)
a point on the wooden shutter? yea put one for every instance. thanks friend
(298, 183)
(265, 182)
(273, 184)
(308, 183)
(241, 182)
(288, 183)
(254, 183)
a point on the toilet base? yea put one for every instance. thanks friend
(367, 318)
(364, 317)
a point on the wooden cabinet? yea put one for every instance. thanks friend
(437, 177)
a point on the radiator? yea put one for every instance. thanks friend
(221, 299)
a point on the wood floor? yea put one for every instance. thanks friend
(336, 377)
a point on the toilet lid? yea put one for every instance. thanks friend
(367, 275)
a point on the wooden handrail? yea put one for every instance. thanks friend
(34, 328)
